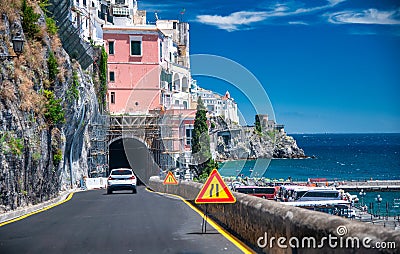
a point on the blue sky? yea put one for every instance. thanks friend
(327, 66)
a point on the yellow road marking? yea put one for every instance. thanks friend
(243, 247)
(37, 211)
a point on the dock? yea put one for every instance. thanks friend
(371, 185)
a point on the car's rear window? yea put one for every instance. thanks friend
(121, 172)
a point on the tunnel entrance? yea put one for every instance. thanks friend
(134, 154)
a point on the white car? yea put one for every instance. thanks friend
(121, 179)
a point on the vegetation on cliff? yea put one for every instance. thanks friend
(39, 93)
(103, 78)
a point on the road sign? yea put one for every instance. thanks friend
(170, 179)
(215, 191)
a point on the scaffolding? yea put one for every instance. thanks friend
(160, 133)
(98, 151)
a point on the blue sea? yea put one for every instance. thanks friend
(337, 157)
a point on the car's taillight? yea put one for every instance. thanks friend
(110, 178)
(132, 177)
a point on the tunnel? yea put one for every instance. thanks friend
(132, 153)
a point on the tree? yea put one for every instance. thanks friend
(29, 20)
(258, 124)
(201, 153)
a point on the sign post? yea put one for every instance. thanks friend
(214, 191)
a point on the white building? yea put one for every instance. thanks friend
(216, 105)
(175, 61)
(89, 16)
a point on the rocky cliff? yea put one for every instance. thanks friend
(46, 102)
(236, 142)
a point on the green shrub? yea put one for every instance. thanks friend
(52, 66)
(43, 4)
(73, 92)
(57, 157)
(51, 26)
(29, 21)
(212, 125)
(11, 144)
(36, 156)
(54, 112)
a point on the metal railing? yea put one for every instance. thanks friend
(73, 43)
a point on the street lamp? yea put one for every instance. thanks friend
(18, 46)
(362, 195)
(18, 43)
(378, 199)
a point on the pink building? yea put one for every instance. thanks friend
(133, 68)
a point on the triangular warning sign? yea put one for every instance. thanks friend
(215, 191)
(170, 179)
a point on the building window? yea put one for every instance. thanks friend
(112, 76)
(111, 48)
(189, 133)
(112, 97)
(185, 105)
(119, 1)
(167, 101)
(136, 48)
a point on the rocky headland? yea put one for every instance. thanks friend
(234, 142)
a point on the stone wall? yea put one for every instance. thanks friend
(251, 218)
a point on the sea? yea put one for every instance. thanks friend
(336, 157)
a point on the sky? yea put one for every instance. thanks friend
(328, 66)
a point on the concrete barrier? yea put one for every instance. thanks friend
(96, 183)
(271, 225)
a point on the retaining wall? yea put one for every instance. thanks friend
(251, 218)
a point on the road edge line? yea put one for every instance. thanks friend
(69, 197)
(233, 239)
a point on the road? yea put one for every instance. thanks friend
(93, 222)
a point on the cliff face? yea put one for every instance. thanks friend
(36, 161)
(245, 143)
(286, 147)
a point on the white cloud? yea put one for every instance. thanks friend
(298, 23)
(370, 16)
(242, 19)
(232, 21)
(281, 8)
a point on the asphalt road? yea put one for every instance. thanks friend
(93, 222)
